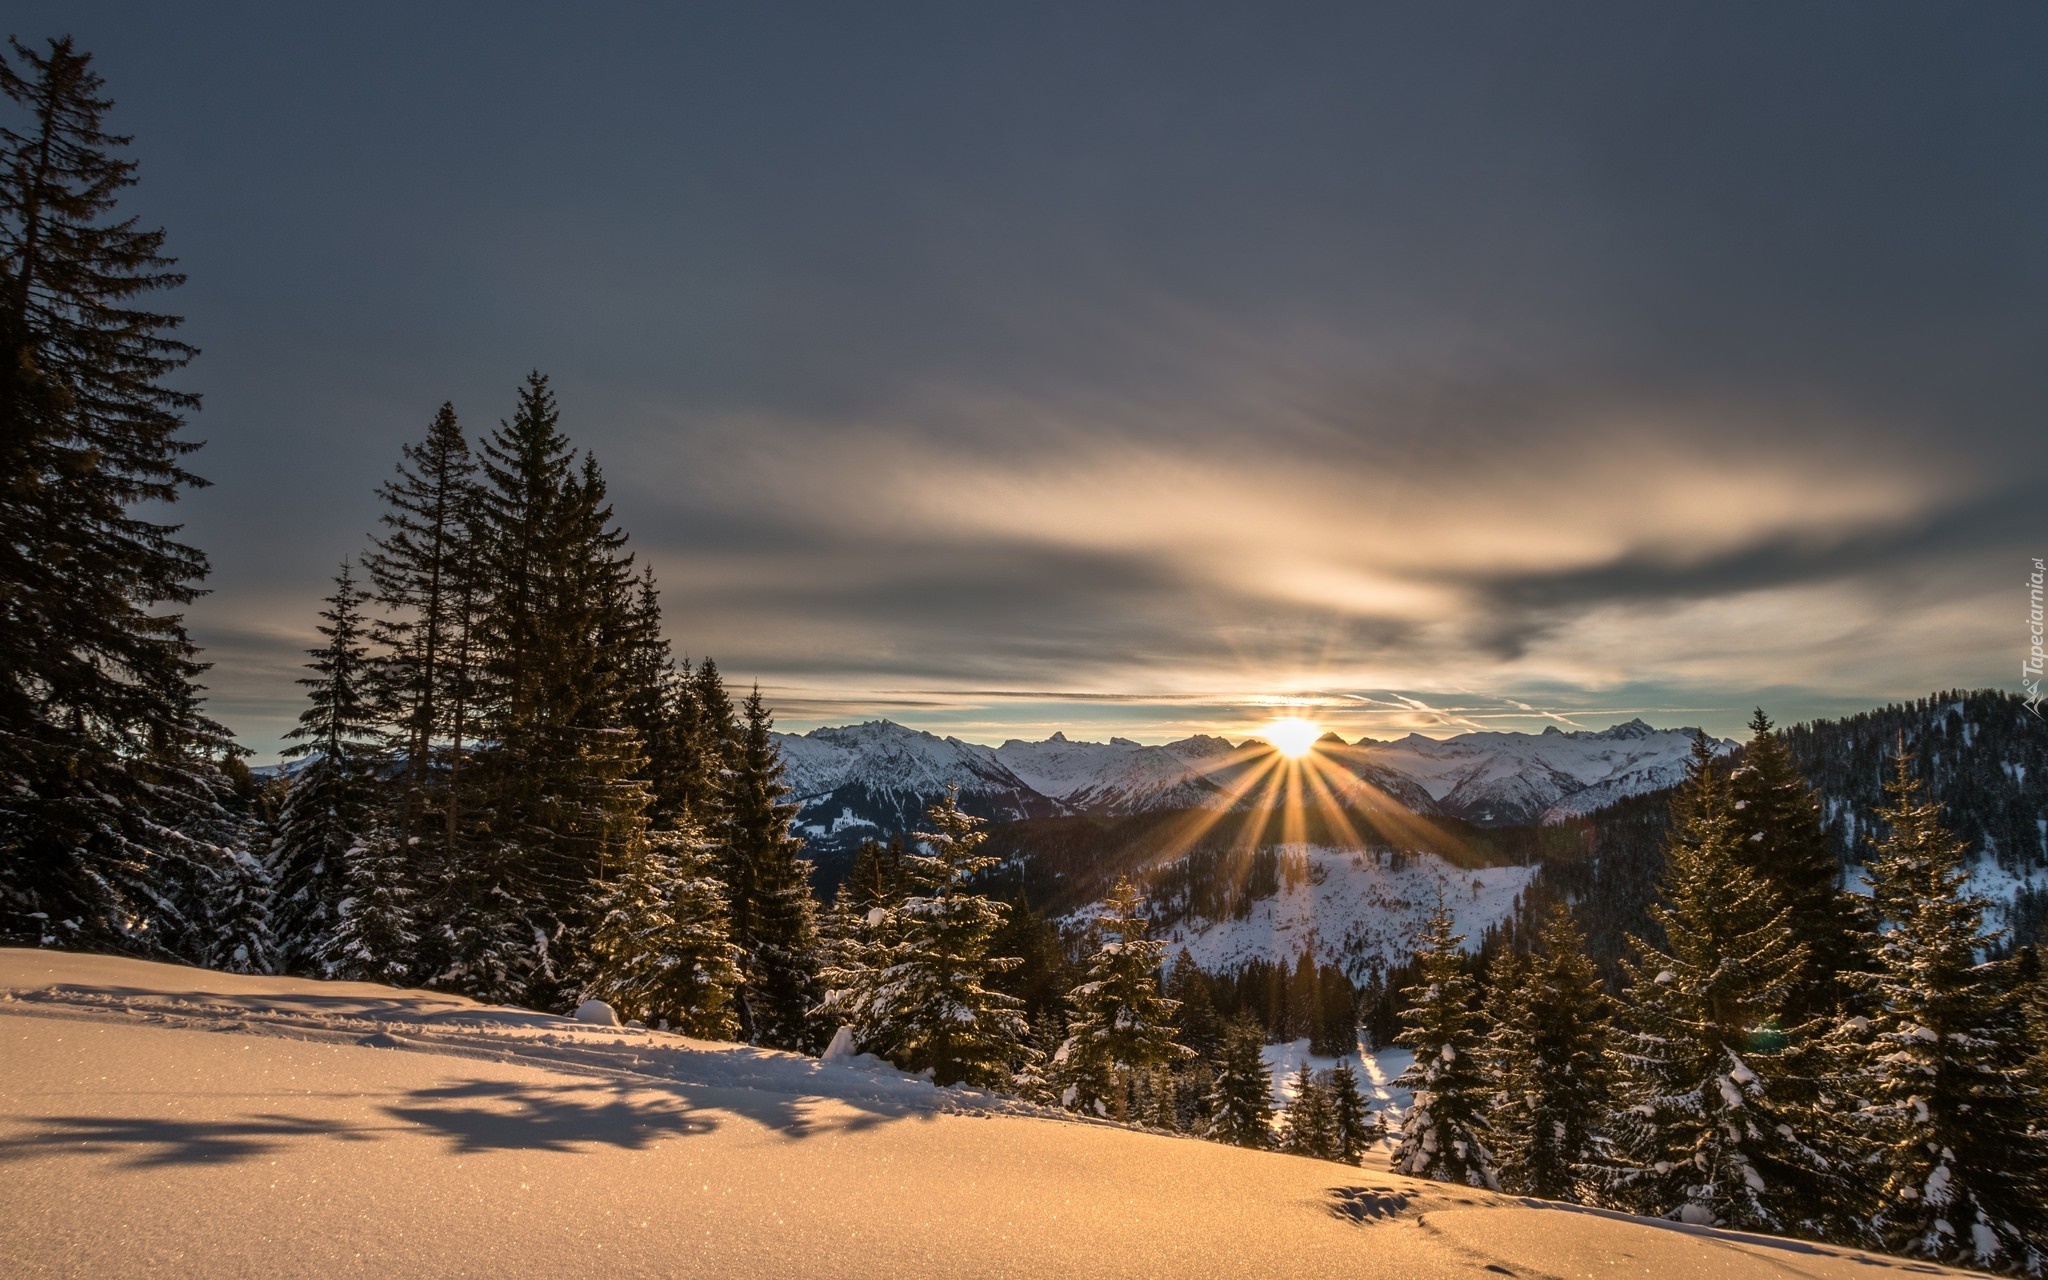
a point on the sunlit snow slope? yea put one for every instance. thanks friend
(168, 1121)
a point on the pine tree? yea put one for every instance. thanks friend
(240, 938)
(920, 999)
(563, 780)
(1357, 1127)
(330, 805)
(707, 742)
(1779, 837)
(1201, 1027)
(1547, 1057)
(101, 736)
(1308, 1126)
(1709, 1126)
(1442, 1136)
(876, 879)
(776, 928)
(659, 951)
(1240, 1101)
(375, 938)
(422, 569)
(1122, 1029)
(1963, 1173)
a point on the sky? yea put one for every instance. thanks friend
(1139, 369)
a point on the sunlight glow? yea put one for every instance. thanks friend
(1292, 736)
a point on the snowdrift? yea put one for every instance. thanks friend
(163, 1120)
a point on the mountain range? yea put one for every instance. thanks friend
(876, 779)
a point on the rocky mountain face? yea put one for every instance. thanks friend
(876, 779)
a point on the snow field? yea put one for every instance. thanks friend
(162, 1120)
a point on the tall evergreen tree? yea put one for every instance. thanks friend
(1778, 836)
(563, 777)
(1240, 1101)
(329, 808)
(1122, 1030)
(101, 736)
(776, 927)
(1442, 1136)
(1200, 1026)
(1962, 1163)
(1710, 1125)
(421, 569)
(659, 950)
(375, 938)
(920, 997)
(876, 879)
(1308, 1126)
(1547, 1055)
(1357, 1127)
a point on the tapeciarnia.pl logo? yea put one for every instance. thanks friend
(2030, 668)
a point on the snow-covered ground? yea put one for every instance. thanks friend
(1359, 906)
(162, 1120)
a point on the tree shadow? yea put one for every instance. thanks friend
(150, 1142)
(473, 1116)
(497, 1115)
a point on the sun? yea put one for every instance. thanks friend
(1292, 736)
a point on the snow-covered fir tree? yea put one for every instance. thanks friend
(1547, 1059)
(775, 927)
(919, 997)
(240, 937)
(1443, 1133)
(375, 937)
(1121, 1030)
(1240, 1101)
(1357, 1127)
(1709, 1125)
(1308, 1124)
(659, 951)
(1779, 837)
(105, 753)
(330, 805)
(1959, 1156)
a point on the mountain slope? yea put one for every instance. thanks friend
(156, 1119)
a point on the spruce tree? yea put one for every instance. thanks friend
(876, 879)
(563, 777)
(1710, 1126)
(1240, 1101)
(375, 937)
(1308, 1126)
(1121, 1032)
(330, 806)
(240, 937)
(422, 568)
(1779, 837)
(1547, 1056)
(659, 951)
(1443, 1133)
(1200, 1026)
(1357, 1127)
(776, 927)
(102, 742)
(920, 997)
(1962, 1166)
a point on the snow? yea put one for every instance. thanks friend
(1487, 777)
(597, 1013)
(1366, 909)
(158, 1119)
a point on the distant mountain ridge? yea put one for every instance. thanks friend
(876, 778)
